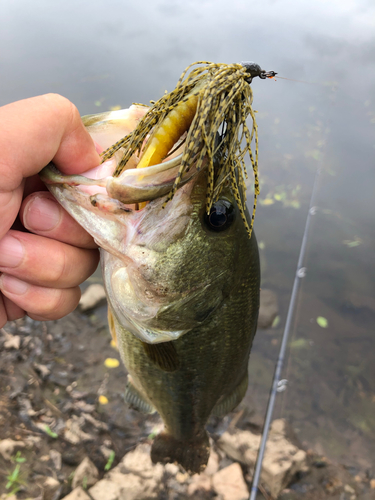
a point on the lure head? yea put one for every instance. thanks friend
(255, 70)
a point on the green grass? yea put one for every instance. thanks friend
(50, 432)
(110, 460)
(14, 480)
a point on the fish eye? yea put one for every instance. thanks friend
(221, 216)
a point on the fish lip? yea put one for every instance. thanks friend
(52, 176)
(147, 184)
(131, 186)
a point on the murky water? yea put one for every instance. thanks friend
(104, 54)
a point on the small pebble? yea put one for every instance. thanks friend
(12, 342)
(9, 447)
(92, 297)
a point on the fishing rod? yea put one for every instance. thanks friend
(278, 384)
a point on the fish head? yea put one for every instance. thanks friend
(169, 265)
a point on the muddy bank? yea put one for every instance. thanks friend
(61, 401)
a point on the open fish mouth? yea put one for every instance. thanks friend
(133, 186)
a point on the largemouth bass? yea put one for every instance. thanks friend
(180, 269)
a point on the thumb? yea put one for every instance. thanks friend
(38, 130)
(34, 132)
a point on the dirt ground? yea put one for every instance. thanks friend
(62, 402)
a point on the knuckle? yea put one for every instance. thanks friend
(59, 272)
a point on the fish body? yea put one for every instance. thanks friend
(211, 282)
(181, 273)
(169, 274)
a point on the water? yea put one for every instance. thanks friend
(104, 54)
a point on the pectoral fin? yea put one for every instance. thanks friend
(163, 355)
(229, 403)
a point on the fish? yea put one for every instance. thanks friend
(179, 258)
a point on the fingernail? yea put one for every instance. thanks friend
(11, 252)
(13, 285)
(98, 148)
(41, 214)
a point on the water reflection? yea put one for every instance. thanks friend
(117, 53)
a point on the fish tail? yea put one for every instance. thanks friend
(191, 454)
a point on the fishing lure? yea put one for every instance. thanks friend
(207, 111)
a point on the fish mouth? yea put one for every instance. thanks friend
(118, 196)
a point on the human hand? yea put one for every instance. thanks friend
(40, 272)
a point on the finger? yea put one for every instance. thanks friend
(13, 311)
(44, 128)
(41, 214)
(39, 302)
(45, 262)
